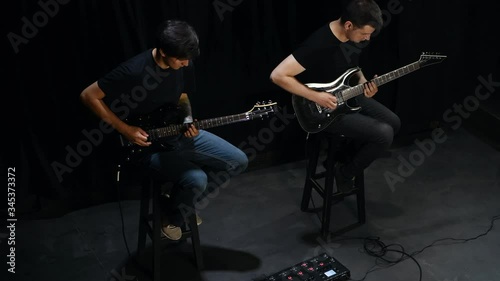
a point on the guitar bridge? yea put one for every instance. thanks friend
(319, 108)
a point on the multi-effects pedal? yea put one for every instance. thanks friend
(320, 268)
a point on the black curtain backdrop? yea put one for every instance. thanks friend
(54, 49)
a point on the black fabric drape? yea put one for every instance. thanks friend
(241, 42)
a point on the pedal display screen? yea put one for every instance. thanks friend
(330, 273)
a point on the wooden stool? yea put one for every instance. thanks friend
(150, 224)
(338, 148)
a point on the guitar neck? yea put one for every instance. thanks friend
(381, 80)
(176, 129)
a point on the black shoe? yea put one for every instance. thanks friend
(344, 184)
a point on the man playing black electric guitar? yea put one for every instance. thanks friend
(196, 161)
(326, 55)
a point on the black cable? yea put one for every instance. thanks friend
(459, 240)
(373, 246)
(120, 208)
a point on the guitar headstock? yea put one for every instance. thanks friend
(429, 58)
(263, 108)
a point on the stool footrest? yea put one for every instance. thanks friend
(338, 150)
(345, 194)
(317, 186)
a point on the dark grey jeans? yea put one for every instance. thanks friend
(372, 128)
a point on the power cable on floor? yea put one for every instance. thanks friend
(373, 246)
(120, 208)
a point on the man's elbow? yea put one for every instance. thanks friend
(275, 77)
(90, 93)
(84, 97)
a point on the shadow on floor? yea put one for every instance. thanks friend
(178, 263)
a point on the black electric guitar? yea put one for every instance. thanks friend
(159, 127)
(314, 118)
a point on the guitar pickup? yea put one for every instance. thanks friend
(320, 109)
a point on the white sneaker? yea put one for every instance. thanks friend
(171, 231)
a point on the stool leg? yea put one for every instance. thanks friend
(313, 155)
(328, 193)
(195, 240)
(156, 190)
(143, 218)
(360, 197)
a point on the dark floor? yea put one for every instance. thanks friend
(255, 227)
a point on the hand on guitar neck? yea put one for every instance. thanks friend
(370, 88)
(190, 130)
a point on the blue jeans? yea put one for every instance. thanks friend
(197, 167)
(372, 128)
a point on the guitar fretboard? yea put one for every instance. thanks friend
(176, 129)
(380, 80)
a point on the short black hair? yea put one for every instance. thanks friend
(177, 39)
(361, 13)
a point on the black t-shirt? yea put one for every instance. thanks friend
(139, 86)
(325, 57)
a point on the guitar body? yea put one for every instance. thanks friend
(313, 118)
(162, 117)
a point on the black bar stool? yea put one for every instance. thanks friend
(338, 148)
(150, 224)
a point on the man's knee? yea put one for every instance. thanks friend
(396, 124)
(243, 163)
(240, 163)
(195, 180)
(385, 134)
